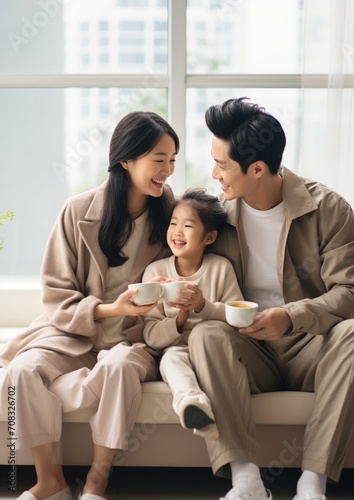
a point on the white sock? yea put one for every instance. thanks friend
(311, 482)
(246, 477)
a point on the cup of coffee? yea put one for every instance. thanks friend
(170, 290)
(240, 313)
(148, 293)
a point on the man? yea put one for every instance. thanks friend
(291, 241)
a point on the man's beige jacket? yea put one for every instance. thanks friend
(315, 257)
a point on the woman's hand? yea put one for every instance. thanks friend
(122, 306)
(190, 299)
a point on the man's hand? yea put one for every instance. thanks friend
(270, 324)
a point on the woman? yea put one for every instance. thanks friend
(91, 330)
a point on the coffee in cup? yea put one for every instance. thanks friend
(148, 293)
(240, 313)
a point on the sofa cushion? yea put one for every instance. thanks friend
(272, 408)
(283, 407)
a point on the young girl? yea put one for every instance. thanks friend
(195, 223)
(90, 330)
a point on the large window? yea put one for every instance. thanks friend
(70, 70)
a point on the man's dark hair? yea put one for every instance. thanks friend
(253, 134)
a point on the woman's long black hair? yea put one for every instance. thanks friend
(134, 136)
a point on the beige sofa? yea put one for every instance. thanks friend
(158, 439)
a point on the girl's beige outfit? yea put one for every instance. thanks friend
(217, 280)
(103, 361)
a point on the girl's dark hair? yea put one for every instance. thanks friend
(211, 212)
(252, 133)
(134, 136)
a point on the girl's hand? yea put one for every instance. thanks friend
(161, 279)
(190, 299)
(122, 306)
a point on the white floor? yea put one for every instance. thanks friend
(174, 484)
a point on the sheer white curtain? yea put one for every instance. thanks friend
(328, 112)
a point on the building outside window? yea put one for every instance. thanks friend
(69, 71)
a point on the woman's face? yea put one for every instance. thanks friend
(149, 173)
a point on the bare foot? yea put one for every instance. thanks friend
(96, 482)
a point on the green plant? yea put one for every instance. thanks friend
(8, 215)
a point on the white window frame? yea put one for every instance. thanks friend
(177, 81)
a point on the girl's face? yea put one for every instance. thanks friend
(186, 235)
(149, 173)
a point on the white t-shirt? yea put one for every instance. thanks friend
(117, 280)
(262, 230)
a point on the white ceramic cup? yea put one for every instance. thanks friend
(240, 313)
(170, 290)
(148, 293)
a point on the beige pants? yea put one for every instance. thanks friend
(110, 383)
(177, 371)
(230, 367)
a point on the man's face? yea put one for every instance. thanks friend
(234, 183)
